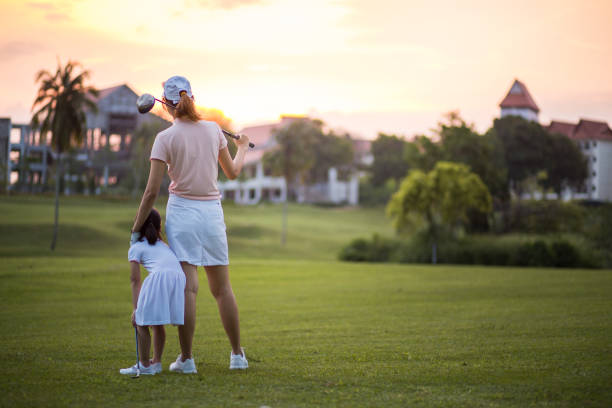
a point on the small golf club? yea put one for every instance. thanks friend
(137, 356)
(146, 101)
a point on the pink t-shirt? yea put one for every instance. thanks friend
(191, 151)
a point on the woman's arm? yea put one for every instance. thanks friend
(135, 284)
(156, 175)
(232, 168)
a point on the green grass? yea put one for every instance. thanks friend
(317, 332)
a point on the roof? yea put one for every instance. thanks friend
(361, 146)
(519, 97)
(260, 135)
(103, 93)
(584, 130)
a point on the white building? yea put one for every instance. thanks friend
(595, 140)
(255, 185)
(518, 102)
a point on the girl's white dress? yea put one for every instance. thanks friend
(162, 295)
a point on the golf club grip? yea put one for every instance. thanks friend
(230, 134)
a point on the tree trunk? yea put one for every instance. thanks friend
(284, 228)
(434, 253)
(58, 176)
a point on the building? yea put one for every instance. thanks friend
(101, 161)
(518, 102)
(256, 185)
(593, 137)
(595, 140)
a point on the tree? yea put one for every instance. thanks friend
(566, 166)
(525, 144)
(459, 142)
(141, 145)
(388, 152)
(441, 197)
(61, 101)
(329, 150)
(293, 156)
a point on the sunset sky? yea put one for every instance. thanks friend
(360, 65)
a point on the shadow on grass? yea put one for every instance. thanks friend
(26, 240)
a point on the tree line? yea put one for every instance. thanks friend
(514, 156)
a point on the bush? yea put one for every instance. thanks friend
(544, 216)
(500, 251)
(361, 250)
(371, 195)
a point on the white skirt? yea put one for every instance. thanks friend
(196, 231)
(162, 299)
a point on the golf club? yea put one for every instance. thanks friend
(146, 101)
(137, 356)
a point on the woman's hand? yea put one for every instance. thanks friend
(242, 142)
(134, 318)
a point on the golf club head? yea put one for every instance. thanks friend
(145, 103)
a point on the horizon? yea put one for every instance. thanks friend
(395, 68)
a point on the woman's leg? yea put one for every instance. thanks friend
(144, 345)
(159, 340)
(187, 330)
(221, 289)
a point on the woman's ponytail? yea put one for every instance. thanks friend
(151, 229)
(186, 109)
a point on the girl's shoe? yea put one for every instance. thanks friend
(238, 361)
(133, 370)
(186, 367)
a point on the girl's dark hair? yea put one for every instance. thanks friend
(151, 229)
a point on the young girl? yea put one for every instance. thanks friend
(161, 298)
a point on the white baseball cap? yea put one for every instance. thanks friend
(173, 88)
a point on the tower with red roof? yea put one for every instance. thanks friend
(519, 102)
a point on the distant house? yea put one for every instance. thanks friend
(256, 185)
(595, 140)
(102, 159)
(518, 102)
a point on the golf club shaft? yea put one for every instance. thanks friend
(230, 134)
(137, 356)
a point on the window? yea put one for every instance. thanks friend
(586, 145)
(594, 174)
(594, 159)
(593, 188)
(594, 144)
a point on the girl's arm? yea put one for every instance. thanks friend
(232, 168)
(156, 175)
(135, 284)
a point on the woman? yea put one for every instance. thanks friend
(190, 149)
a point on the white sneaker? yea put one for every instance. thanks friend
(186, 367)
(238, 361)
(157, 367)
(133, 370)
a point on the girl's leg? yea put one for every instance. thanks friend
(159, 340)
(221, 289)
(187, 330)
(144, 345)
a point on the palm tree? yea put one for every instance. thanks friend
(61, 102)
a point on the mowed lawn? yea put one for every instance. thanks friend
(317, 332)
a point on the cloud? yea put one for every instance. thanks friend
(222, 4)
(12, 49)
(54, 12)
(42, 6)
(57, 16)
